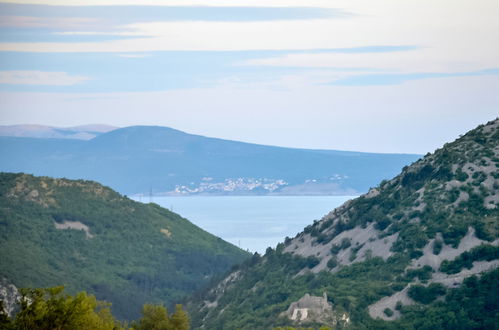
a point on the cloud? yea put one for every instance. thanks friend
(210, 3)
(452, 36)
(141, 13)
(442, 58)
(66, 23)
(395, 79)
(39, 78)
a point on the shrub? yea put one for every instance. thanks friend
(335, 248)
(333, 262)
(324, 238)
(461, 176)
(312, 261)
(388, 312)
(353, 255)
(423, 273)
(437, 247)
(345, 243)
(483, 252)
(382, 224)
(427, 294)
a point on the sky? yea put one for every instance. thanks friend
(364, 75)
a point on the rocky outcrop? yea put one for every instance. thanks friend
(10, 296)
(315, 309)
(76, 225)
(308, 306)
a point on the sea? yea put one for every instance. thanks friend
(252, 223)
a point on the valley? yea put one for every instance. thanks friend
(402, 255)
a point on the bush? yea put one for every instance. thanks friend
(388, 312)
(333, 262)
(345, 243)
(312, 261)
(52, 309)
(423, 273)
(335, 248)
(416, 179)
(382, 224)
(353, 255)
(437, 247)
(484, 252)
(427, 294)
(461, 176)
(324, 238)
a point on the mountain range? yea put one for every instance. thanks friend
(84, 132)
(161, 160)
(419, 251)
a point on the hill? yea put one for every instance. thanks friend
(88, 237)
(140, 159)
(418, 251)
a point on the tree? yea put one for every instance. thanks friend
(153, 318)
(179, 320)
(51, 309)
(5, 322)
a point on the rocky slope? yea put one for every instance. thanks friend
(403, 248)
(88, 237)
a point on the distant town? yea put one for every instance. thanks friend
(208, 185)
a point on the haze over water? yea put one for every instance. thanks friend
(252, 222)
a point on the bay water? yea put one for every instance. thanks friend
(252, 222)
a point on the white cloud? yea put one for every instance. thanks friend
(453, 36)
(39, 78)
(214, 3)
(436, 60)
(417, 116)
(286, 82)
(51, 22)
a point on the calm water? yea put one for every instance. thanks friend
(252, 222)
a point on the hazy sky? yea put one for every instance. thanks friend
(385, 76)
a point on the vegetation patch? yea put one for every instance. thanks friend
(425, 294)
(128, 256)
(484, 252)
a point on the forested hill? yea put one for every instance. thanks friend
(420, 251)
(140, 159)
(86, 236)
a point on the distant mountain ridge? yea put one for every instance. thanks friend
(83, 132)
(419, 251)
(140, 159)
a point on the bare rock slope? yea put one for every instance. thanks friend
(430, 227)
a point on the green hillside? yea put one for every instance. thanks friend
(419, 251)
(87, 237)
